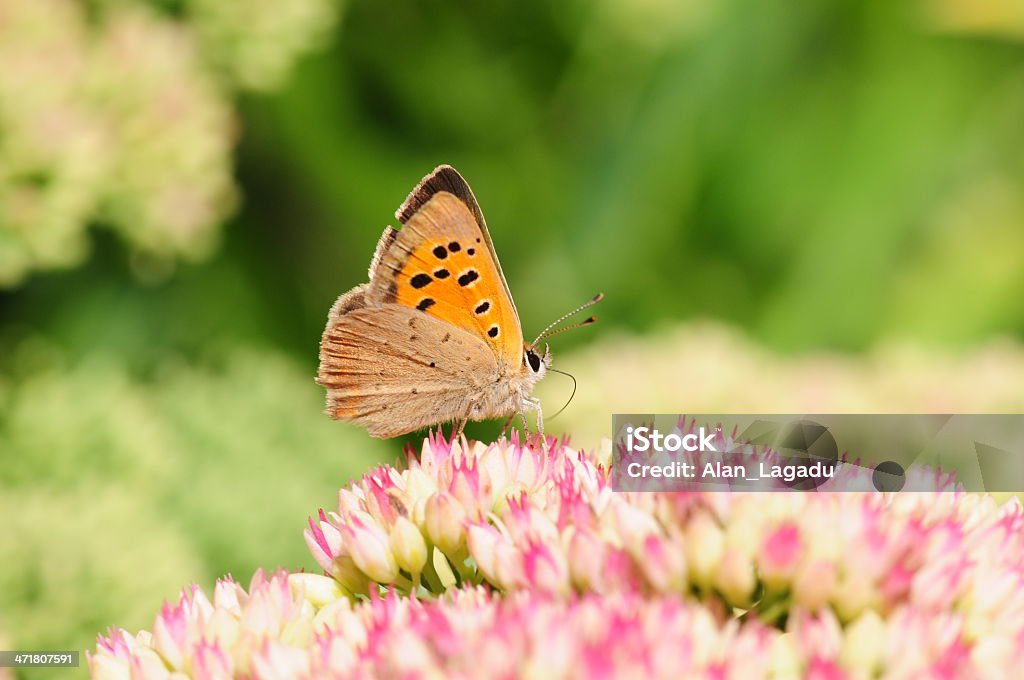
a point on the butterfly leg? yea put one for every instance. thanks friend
(540, 418)
(458, 430)
(508, 421)
(533, 403)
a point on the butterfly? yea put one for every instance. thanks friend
(434, 336)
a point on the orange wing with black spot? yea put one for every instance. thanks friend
(442, 262)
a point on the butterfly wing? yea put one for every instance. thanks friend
(447, 178)
(394, 369)
(442, 262)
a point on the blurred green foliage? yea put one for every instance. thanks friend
(821, 175)
(186, 185)
(118, 490)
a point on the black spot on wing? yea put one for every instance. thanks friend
(420, 280)
(425, 304)
(468, 278)
(441, 274)
(471, 251)
(493, 331)
(454, 246)
(482, 307)
(440, 252)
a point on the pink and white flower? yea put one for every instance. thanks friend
(518, 560)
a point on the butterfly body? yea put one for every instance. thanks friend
(434, 336)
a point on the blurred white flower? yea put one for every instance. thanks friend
(117, 115)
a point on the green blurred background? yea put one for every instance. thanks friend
(186, 186)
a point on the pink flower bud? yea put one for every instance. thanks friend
(814, 584)
(864, 646)
(408, 546)
(370, 548)
(445, 521)
(705, 544)
(545, 569)
(735, 577)
(780, 554)
(318, 590)
(587, 561)
(498, 559)
(663, 564)
(211, 662)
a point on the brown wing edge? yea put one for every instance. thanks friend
(386, 239)
(441, 178)
(346, 302)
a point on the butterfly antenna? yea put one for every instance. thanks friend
(573, 378)
(589, 303)
(586, 322)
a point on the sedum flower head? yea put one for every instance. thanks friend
(542, 516)
(277, 629)
(303, 626)
(517, 560)
(119, 114)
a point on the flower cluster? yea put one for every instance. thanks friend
(517, 559)
(302, 626)
(113, 121)
(544, 518)
(256, 42)
(112, 113)
(299, 626)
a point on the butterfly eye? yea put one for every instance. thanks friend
(533, 359)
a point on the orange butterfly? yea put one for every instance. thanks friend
(434, 336)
